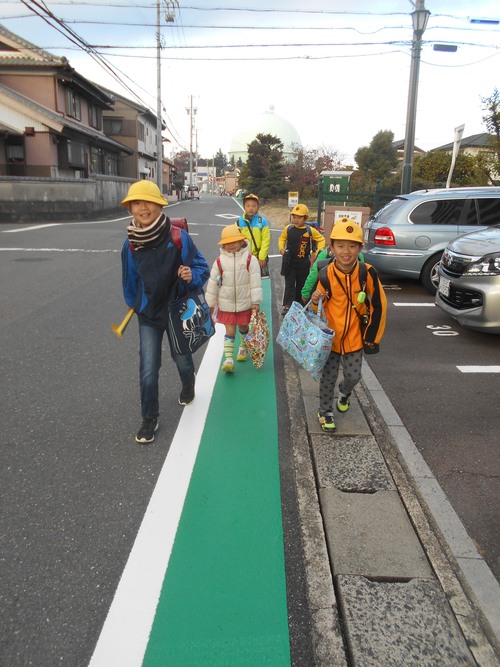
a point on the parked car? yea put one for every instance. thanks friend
(408, 236)
(469, 280)
(194, 192)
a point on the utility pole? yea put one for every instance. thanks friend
(159, 144)
(419, 17)
(170, 6)
(196, 156)
(191, 112)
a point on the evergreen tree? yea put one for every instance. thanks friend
(264, 167)
(380, 157)
(491, 105)
(220, 162)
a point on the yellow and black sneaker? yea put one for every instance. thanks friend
(343, 403)
(326, 422)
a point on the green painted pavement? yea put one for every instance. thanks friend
(223, 600)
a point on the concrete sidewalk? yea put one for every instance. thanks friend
(385, 586)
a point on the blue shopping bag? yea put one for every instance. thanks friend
(190, 323)
(306, 337)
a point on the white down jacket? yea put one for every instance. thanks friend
(240, 287)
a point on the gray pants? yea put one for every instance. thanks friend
(351, 363)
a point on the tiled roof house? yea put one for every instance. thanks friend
(51, 117)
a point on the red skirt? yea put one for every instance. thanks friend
(234, 318)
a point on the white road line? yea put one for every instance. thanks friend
(53, 250)
(479, 369)
(60, 224)
(29, 229)
(431, 305)
(124, 637)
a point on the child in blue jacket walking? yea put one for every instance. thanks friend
(151, 264)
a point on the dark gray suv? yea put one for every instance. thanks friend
(408, 236)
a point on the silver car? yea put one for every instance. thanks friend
(408, 236)
(469, 280)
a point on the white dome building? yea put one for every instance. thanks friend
(264, 123)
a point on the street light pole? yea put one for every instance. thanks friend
(420, 17)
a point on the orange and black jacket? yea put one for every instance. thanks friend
(339, 311)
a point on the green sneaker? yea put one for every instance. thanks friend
(326, 422)
(343, 403)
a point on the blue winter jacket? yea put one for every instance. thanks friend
(150, 277)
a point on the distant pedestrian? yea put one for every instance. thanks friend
(256, 229)
(346, 286)
(299, 245)
(235, 275)
(151, 265)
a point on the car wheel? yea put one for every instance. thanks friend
(429, 275)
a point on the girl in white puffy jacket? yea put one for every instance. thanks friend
(237, 272)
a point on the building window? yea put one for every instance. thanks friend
(97, 160)
(76, 154)
(141, 131)
(104, 162)
(95, 116)
(113, 126)
(14, 148)
(73, 104)
(112, 164)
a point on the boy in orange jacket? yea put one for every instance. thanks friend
(355, 307)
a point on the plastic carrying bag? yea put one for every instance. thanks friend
(307, 337)
(257, 339)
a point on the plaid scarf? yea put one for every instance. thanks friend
(142, 237)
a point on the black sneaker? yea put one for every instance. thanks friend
(146, 433)
(187, 395)
(326, 422)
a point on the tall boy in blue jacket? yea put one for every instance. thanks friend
(151, 264)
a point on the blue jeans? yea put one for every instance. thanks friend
(150, 363)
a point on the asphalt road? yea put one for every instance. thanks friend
(74, 483)
(452, 416)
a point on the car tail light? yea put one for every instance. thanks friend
(384, 236)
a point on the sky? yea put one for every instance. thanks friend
(338, 71)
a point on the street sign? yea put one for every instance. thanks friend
(293, 199)
(355, 216)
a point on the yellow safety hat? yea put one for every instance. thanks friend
(251, 196)
(300, 209)
(346, 230)
(231, 234)
(144, 191)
